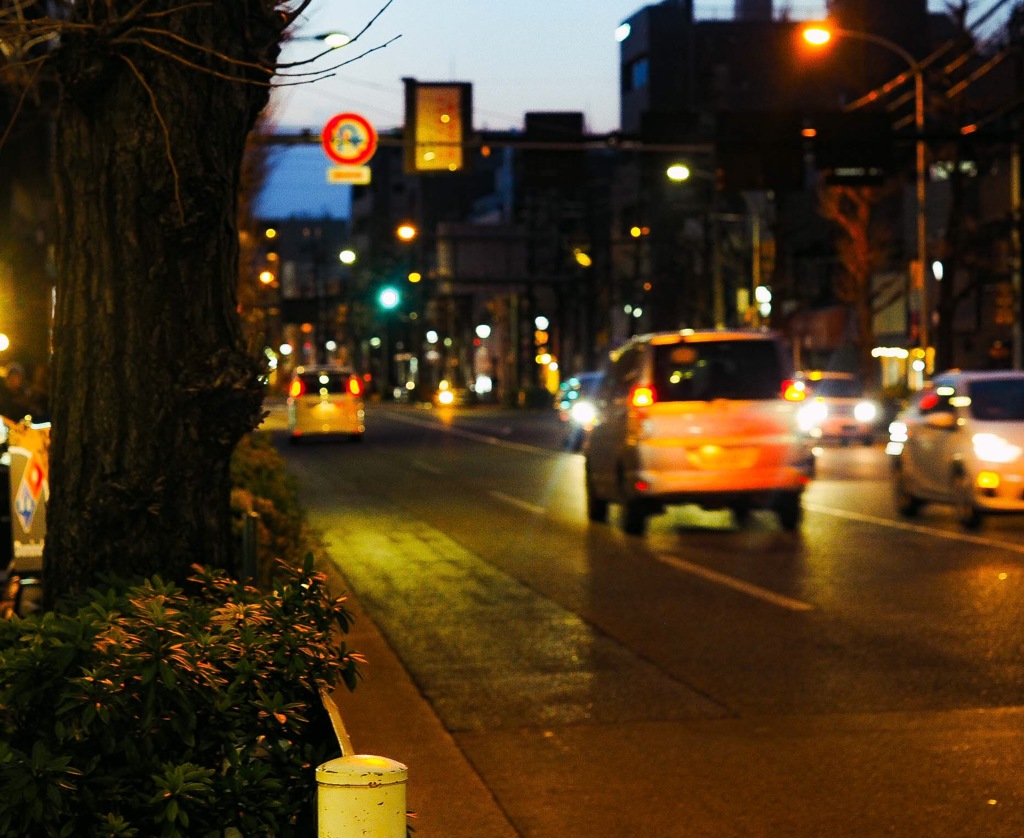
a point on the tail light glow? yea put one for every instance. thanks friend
(297, 389)
(641, 396)
(794, 390)
(355, 386)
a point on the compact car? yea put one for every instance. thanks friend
(700, 417)
(836, 409)
(961, 442)
(325, 401)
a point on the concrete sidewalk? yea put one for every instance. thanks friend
(388, 716)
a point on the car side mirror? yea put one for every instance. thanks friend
(943, 420)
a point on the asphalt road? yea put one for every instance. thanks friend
(861, 677)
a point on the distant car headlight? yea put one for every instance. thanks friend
(583, 412)
(898, 432)
(446, 397)
(811, 415)
(992, 448)
(865, 412)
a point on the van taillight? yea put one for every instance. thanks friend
(641, 396)
(793, 390)
(355, 386)
(297, 389)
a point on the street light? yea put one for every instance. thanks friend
(334, 40)
(819, 36)
(680, 172)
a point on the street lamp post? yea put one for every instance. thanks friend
(820, 35)
(679, 172)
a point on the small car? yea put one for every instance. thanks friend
(961, 442)
(576, 408)
(836, 408)
(702, 417)
(325, 401)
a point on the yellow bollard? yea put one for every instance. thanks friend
(361, 795)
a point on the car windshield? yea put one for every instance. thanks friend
(721, 369)
(836, 388)
(318, 382)
(589, 383)
(998, 400)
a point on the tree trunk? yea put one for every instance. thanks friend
(152, 383)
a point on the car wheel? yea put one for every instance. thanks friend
(967, 513)
(907, 504)
(741, 514)
(597, 508)
(789, 510)
(634, 517)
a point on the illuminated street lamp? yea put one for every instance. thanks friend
(406, 232)
(679, 173)
(334, 40)
(347, 256)
(819, 35)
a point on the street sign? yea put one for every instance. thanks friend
(349, 139)
(29, 447)
(358, 175)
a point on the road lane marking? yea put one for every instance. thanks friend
(921, 529)
(476, 437)
(522, 504)
(419, 465)
(734, 583)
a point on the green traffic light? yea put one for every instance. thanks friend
(388, 298)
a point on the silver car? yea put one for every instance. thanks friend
(961, 442)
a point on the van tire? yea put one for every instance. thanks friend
(634, 517)
(789, 510)
(597, 508)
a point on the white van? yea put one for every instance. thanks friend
(702, 417)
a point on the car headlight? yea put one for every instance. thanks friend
(583, 412)
(865, 412)
(811, 415)
(992, 448)
(898, 431)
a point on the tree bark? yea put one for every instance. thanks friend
(152, 383)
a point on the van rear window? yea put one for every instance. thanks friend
(316, 382)
(726, 369)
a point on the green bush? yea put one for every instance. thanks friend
(262, 484)
(161, 711)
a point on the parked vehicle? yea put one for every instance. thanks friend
(697, 417)
(836, 408)
(324, 401)
(961, 442)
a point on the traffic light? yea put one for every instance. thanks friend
(438, 123)
(389, 298)
(854, 148)
(759, 150)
